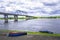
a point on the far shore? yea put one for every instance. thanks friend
(11, 18)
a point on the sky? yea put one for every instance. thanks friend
(32, 7)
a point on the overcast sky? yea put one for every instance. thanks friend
(33, 7)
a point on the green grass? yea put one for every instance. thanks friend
(44, 34)
(10, 31)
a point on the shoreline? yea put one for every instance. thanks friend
(31, 33)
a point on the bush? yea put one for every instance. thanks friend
(46, 32)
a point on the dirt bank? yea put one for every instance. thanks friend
(30, 37)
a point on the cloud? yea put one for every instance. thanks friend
(50, 1)
(56, 12)
(53, 4)
(33, 7)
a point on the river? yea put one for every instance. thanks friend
(52, 25)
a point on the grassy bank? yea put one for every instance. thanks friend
(31, 17)
(11, 18)
(31, 33)
(44, 34)
(22, 18)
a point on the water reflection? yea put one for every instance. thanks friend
(33, 25)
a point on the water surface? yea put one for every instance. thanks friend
(32, 25)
